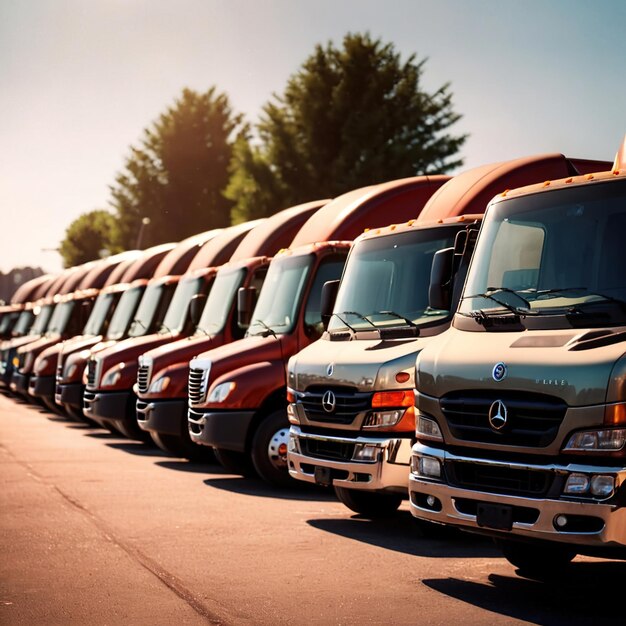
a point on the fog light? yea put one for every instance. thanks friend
(365, 452)
(576, 484)
(380, 419)
(560, 521)
(431, 500)
(602, 486)
(427, 428)
(429, 467)
(294, 445)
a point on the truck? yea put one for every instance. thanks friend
(109, 321)
(71, 311)
(520, 405)
(351, 392)
(108, 398)
(238, 392)
(161, 386)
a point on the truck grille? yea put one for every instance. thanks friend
(91, 373)
(533, 419)
(323, 449)
(196, 390)
(143, 378)
(498, 479)
(59, 374)
(348, 404)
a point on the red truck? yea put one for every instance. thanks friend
(237, 392)
(70, 313)
(120, 302)
(108, 398)
(162, 376)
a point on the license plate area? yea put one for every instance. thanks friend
(495, 516)
(323, 476)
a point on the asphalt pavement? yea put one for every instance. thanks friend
(101, 530)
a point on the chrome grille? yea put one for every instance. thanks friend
(348, 404)
(326, 449)
(143, 378)
(196, 387)
(533, 419)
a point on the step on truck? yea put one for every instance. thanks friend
(521, 405)
(111, 371)
(163, 372)
(351, 392)
(237, 392)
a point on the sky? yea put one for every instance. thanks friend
(81, 79)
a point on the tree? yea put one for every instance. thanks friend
(349, 117)
(86, 236)
(177, 174)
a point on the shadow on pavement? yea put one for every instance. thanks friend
(585, 593)
(138, 448)
(257, 487)
(192, 467)
(402, 533)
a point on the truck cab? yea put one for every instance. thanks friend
(520, 406)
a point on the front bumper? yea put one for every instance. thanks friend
(41, 386)
(70, 394)
(19, 383)
(106, 408)
(167, 417)
(595, 525)
(224, 429)
(389, 472)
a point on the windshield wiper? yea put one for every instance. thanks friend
(344, 321)
(516, 310)
(165, 329)
(557, 291)
(407, 321)
(268, 330)
(139, 323)
(361, 317)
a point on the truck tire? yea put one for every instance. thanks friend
(370, 504)
(234, 462)
(540, 560)
(269, 449)
(184, 448)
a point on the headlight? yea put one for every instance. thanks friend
(426, 466)
(596, 485)
(160, 384)
(426, 428)
(609, 440)
(112, 376)
(221, 392)
(381, 419)
(41, 366)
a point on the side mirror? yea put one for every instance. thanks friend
(246, 299)
(440, 288)
(196, 306)
(327, 302)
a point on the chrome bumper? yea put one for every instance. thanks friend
(453, 505)
(389, 471)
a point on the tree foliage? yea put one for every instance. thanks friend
(177, 174)
(350, 117)
(86, 236)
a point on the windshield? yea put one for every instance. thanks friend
(176, 315)
(124, 313)
(220, 300)
(386, 281)
(100, 312)
(60, 317)
(7, 321)
(280, 295)
(23, 323)
(145, 313)
(553, 253)
(41, 321)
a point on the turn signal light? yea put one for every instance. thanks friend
(392, 399)
(615, 414)
(291, 396)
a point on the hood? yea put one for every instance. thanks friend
(128, 350)
(364, 364)
(180, 351)
(573, 365)
(76, 344)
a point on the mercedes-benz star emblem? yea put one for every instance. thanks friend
(498, 415)
(329, 401)
(499, 371)
(330, 369)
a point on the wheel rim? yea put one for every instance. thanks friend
(277, 449)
